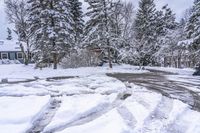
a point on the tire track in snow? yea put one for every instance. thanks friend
(90, 115)
(175, 126)
(46, 116)
(127, 116)
(154, 123)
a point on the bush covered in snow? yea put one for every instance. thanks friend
(82, 58)
(6, 61)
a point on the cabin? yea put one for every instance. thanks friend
(10, 50)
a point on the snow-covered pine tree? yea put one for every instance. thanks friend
(145, 31)
(36, 7)
(9, 34)
(99, 30)
(166, 34)
(193, 31)
(50, 20)
(169, 18)
(77, 20)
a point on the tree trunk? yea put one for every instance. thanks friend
(55, 63)
(109, 58)
(179, 62)
(165, 62)
(25, 56)
(179, 58)
(26, 61)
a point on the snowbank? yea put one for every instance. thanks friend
(17, 113)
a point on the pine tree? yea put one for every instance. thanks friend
(193, 31)
(99, 30)
(169, 19)
(50, 20)
(35, 9)
(192, 27)
(166, 27)
(77, 20)
(9, 34)
(145, 31)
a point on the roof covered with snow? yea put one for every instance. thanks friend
(9, 45)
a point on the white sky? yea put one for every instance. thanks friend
(178, 6)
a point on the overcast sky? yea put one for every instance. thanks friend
(178, 6)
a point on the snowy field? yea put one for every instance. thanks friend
(88, 102)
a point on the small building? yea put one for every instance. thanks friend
(10, 50)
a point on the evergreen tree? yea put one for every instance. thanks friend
(50, 20)
(9, 34)
(193, 31)
(166, 33)
(145, 31)
(192, 27)
(77, 20)
(99, 29)
(169, 19)
(36, 7)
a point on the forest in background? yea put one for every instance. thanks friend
(112, 31)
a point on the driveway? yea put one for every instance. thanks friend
(186, 88)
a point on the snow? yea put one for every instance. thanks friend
(85, 84)
(103, 124)
(93, 83)
(22, 90)
(184, 71)
(185, 43)
(6, 61)
(91, 102)
(9, 45)
(185, 78)
(76, 107)
(141, 110)
(144, 111)
(17, 113)
(19, 71)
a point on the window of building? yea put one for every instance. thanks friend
(19, 55)
(4, 55)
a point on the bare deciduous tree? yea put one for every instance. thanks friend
(17, 14)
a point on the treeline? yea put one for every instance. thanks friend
(55, 29)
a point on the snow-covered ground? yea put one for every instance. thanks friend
(184, 71)
(91, 102)
(18, 113)
(19, 72)
(184, 76)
